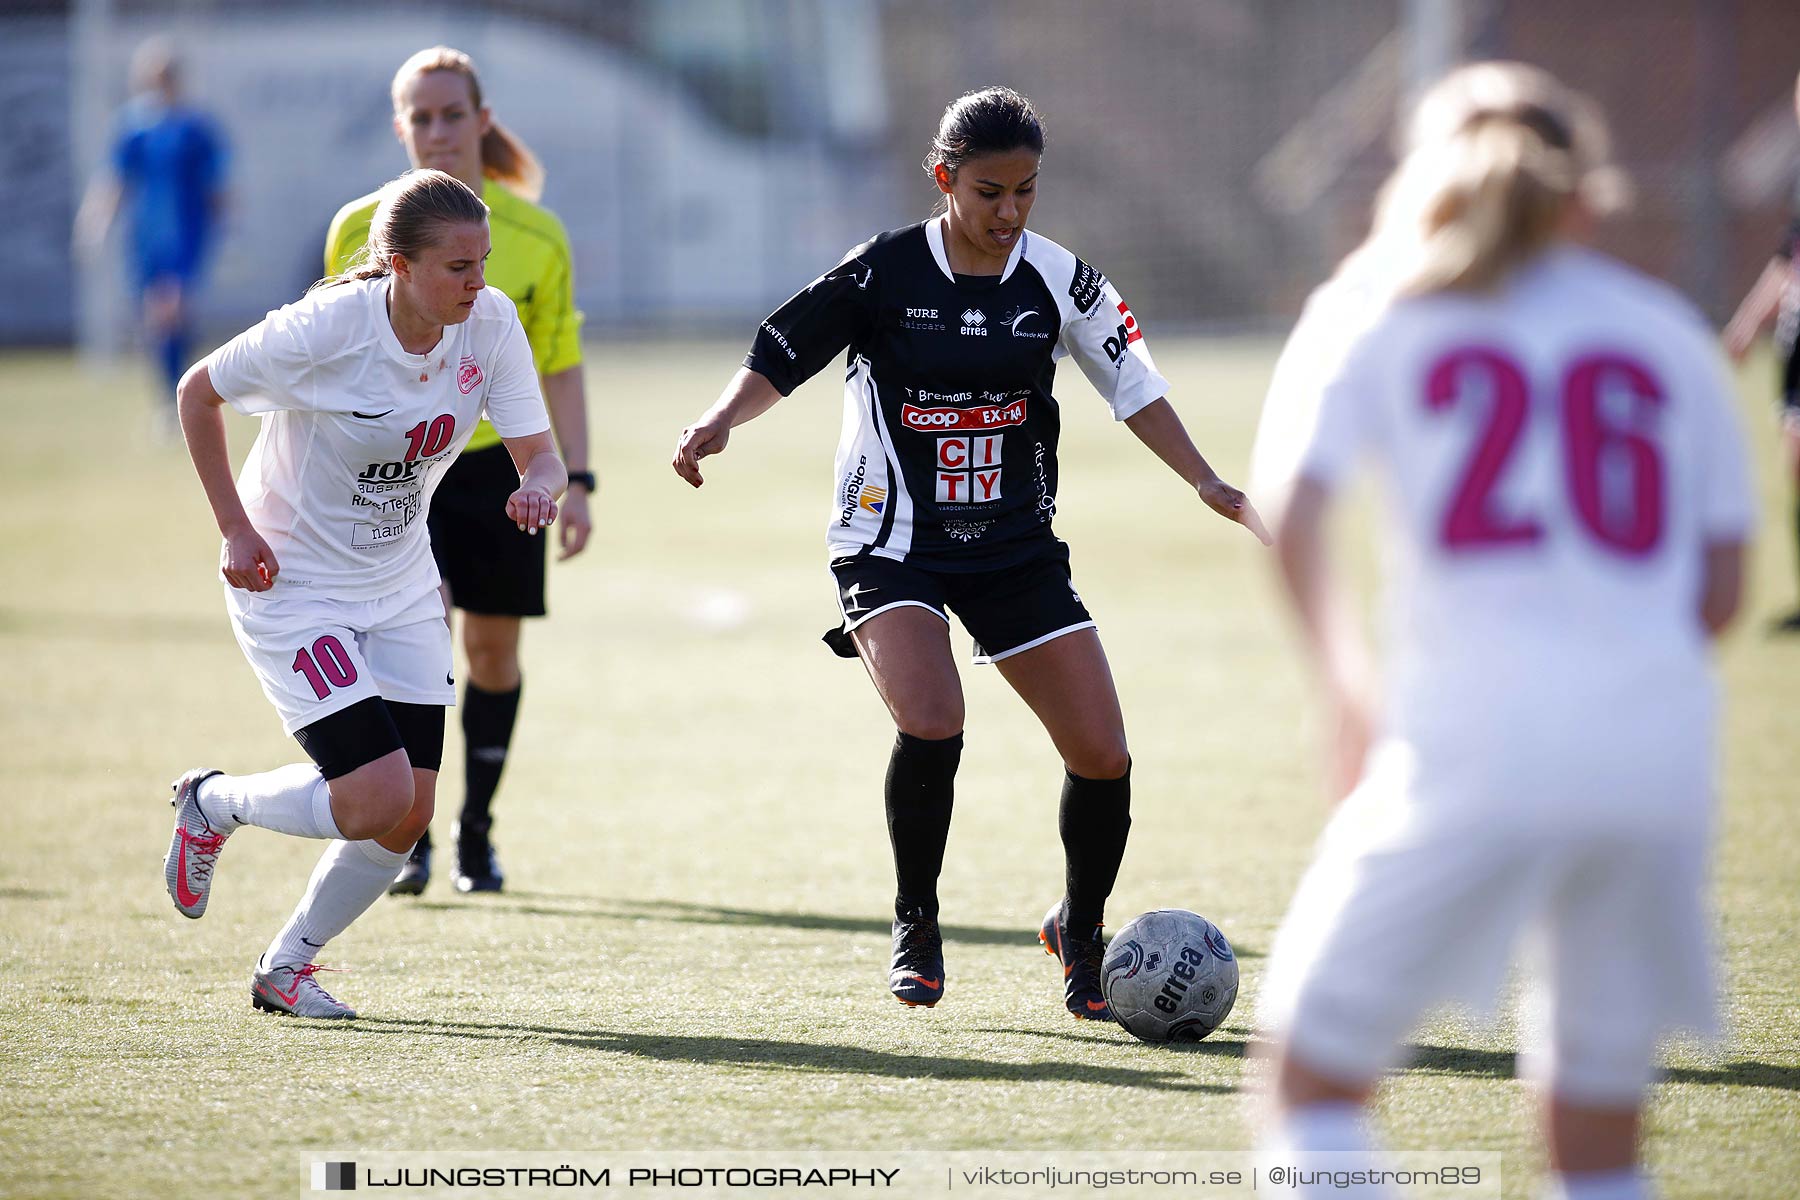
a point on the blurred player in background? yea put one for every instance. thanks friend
(1567, 499)
(947, 480)
(368, 387)
(494, 573)
(1777, 295)
(167, 168)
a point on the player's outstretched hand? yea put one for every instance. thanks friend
(697, 441)
(246, 561)
(531, 508)
(572, 531)
(1233, 505)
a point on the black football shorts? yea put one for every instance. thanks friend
(1007, 610)
(492, 566)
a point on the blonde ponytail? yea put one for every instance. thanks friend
(1499, 153)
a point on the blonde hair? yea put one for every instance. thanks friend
(504, 157)
(1496, 155)
(408, 220)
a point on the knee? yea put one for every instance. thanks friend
(1107, 758)
(373, 799)
(933, 723)
(417, 819)
(1299, 1086)
(493, 652)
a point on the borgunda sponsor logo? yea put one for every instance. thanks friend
(853, 486)
(974, 323)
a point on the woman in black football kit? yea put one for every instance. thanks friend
(947, 479)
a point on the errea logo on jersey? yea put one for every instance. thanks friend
(974, 323)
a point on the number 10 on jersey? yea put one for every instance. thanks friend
(968, 469)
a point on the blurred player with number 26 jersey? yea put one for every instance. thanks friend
(1566, 502)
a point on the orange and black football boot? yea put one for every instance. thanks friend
(1080, 958)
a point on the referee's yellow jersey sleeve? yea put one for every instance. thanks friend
(554, 329)
(349, 230)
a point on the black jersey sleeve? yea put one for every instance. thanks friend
(836, 310)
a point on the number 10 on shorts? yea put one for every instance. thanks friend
(968, 469)
(325, 666)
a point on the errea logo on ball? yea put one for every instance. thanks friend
(974, 323)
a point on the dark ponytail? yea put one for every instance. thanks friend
(993, 120)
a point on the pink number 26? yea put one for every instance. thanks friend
(1612, 465)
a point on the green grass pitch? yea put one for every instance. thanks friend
(692, 950)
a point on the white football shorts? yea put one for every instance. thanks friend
(1394, 919)
(314, 655)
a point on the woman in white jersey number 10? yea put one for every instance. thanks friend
(367, 388)
(1567, 504)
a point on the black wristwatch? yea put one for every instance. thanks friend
(584, 478)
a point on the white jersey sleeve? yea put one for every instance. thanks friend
(267, 368)
(1098, 330)
(515, 404)
(1320, 415)
(1727, 505)
(1108, 345)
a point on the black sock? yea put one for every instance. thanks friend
(1094, 820)
(921, 783)
(1797, 540)
(487, 723)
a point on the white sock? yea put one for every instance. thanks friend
(1321, 1128)
(350, 877)
(1335, 1129)
(292, 799)
(1625, 1184)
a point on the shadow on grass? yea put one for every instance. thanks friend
(115, 628)
(685, 913)
(1215, 1047)
(823, 1057)
(1503, 1064)
(27, 893)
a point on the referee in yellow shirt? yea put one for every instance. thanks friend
(494, 573)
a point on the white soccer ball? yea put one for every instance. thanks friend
(1170, 976)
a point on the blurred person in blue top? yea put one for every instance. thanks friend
(167, 169)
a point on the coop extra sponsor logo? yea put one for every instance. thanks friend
(953, 420)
